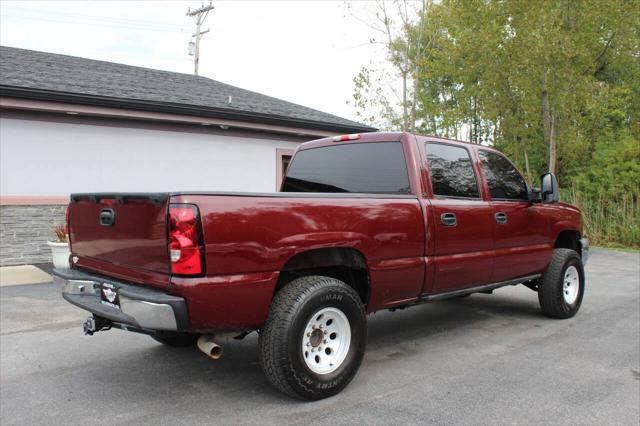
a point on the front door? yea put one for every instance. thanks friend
(522, 244)
(462, 221)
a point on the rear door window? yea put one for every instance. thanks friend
(504, 180)
(375, 167)
(451, 171)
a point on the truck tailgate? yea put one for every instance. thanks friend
(124, 232)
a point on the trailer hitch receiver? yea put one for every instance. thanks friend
(93, 324)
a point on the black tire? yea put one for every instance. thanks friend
(177, 340)
(551, 285)
(281, 339)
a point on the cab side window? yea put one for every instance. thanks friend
(504, 180)
(451, 171)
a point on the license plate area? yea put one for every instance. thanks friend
(109, 295)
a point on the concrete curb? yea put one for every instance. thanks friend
(22, 275)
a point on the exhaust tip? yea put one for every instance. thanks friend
(216, 352)
(209, 347)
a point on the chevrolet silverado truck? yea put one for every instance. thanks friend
(362, 223)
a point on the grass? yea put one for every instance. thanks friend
(611, 222)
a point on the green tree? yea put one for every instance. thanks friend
(555, 84)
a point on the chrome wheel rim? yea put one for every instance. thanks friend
(571, 285)
(326, 340)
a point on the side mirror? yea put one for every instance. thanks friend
(549, 191)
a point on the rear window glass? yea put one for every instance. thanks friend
(377, 167)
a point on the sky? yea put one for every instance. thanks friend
(305, 52)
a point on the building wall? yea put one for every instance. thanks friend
(58, 158)
(24, 232)
(53, 157)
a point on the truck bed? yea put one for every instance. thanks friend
(247, 233)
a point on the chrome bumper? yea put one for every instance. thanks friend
(138, 307)
(584, 243)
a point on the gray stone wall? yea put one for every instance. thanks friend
(24, 232)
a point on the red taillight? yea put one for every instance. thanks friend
(185, 239)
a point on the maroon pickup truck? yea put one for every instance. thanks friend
(362, 223)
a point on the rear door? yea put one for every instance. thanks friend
(462, 228)
(522, 245)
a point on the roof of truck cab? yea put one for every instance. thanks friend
(427, 138)
(388, 137)
(361, 137)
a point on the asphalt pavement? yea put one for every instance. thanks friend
(486, 359)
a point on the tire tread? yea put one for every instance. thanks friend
(550, 292)
(274, 335)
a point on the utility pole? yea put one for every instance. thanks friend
(199, 16)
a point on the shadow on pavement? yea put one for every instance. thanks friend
(155, 369)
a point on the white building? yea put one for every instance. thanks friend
(71, 124)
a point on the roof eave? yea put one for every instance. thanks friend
(174, 108)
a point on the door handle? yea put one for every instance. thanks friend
(501, 218)
(448, 219)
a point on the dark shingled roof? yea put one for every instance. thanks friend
(48, 76)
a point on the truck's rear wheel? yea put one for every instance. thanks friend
(561, 288)
(314, 339)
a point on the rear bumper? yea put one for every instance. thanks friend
(140, 307)
(584, 245)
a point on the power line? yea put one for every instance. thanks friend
(199, 16)
(104, 21)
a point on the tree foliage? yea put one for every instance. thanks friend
(555, 84)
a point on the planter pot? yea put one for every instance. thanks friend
(60, 253)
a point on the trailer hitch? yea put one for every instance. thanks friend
(93, 324)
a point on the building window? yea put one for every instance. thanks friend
(283, 157)
(285, 163)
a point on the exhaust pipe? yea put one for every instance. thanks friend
(209, 347)
(213, 350)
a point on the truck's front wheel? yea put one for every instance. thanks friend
(561, 288)
(314, 339)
